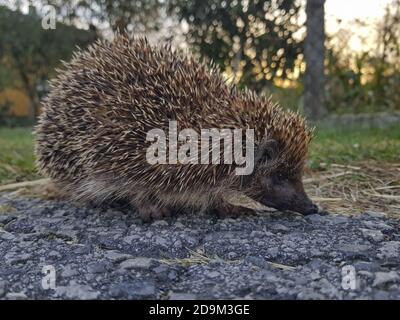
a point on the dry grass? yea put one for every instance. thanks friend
(356, 188)
(199, 256)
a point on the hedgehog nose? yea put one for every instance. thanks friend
(313, 210)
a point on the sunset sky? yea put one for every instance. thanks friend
(367, 11)
(350, 9)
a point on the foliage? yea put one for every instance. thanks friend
(4, 110)
(33, 52)
(366, 81)
(254, 41)
(134, 15)
(257, 43)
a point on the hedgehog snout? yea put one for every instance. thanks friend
(287, 194)
(310, 209)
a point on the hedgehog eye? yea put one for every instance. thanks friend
(280, 178)
(265, 157)
(266, 152)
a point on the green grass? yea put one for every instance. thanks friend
(346, 146)
(16, 155)
(329, 146)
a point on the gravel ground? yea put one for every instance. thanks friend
(109, 253)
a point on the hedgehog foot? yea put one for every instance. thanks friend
(149, 212)
(226, 210)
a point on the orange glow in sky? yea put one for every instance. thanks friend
(352, 9)
(366, 11)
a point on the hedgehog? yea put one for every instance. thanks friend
(91, 134)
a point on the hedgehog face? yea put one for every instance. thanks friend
(278, 187)
(285, 192)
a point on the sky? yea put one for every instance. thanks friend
(367, 11)
(350, 9)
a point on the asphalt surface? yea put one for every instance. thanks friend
(55, 250)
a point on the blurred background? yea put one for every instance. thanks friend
(335, 61)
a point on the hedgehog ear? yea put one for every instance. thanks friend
(266, 151)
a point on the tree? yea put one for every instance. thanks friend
(367, 79)
(138, 16)
(254, 41)
(387, 60)
(314, 53)
(32, 53)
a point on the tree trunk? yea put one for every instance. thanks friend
(33, 102)
(30, 90)
(314, 53)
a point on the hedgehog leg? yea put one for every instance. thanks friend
(149, 212)
(226, 210)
